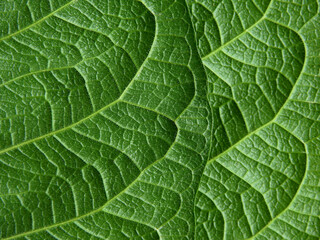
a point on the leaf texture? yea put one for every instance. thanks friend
(159, 119)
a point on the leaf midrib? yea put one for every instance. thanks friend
(123, 93)
(220, 49)
(203, 62)
(272, 121)
(119, 100)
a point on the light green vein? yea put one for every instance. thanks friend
(58, 131)
(257, 130)
(284, 210)
(238, 36)
(37, 22)
(98, 209)
(266, 124)
(89, 116)
(91, 212)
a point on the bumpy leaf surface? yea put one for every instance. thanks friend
(160, 119)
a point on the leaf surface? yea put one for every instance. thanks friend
(171, 119)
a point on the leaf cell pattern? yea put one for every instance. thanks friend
(171, 119)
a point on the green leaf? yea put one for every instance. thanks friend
(160, 119)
